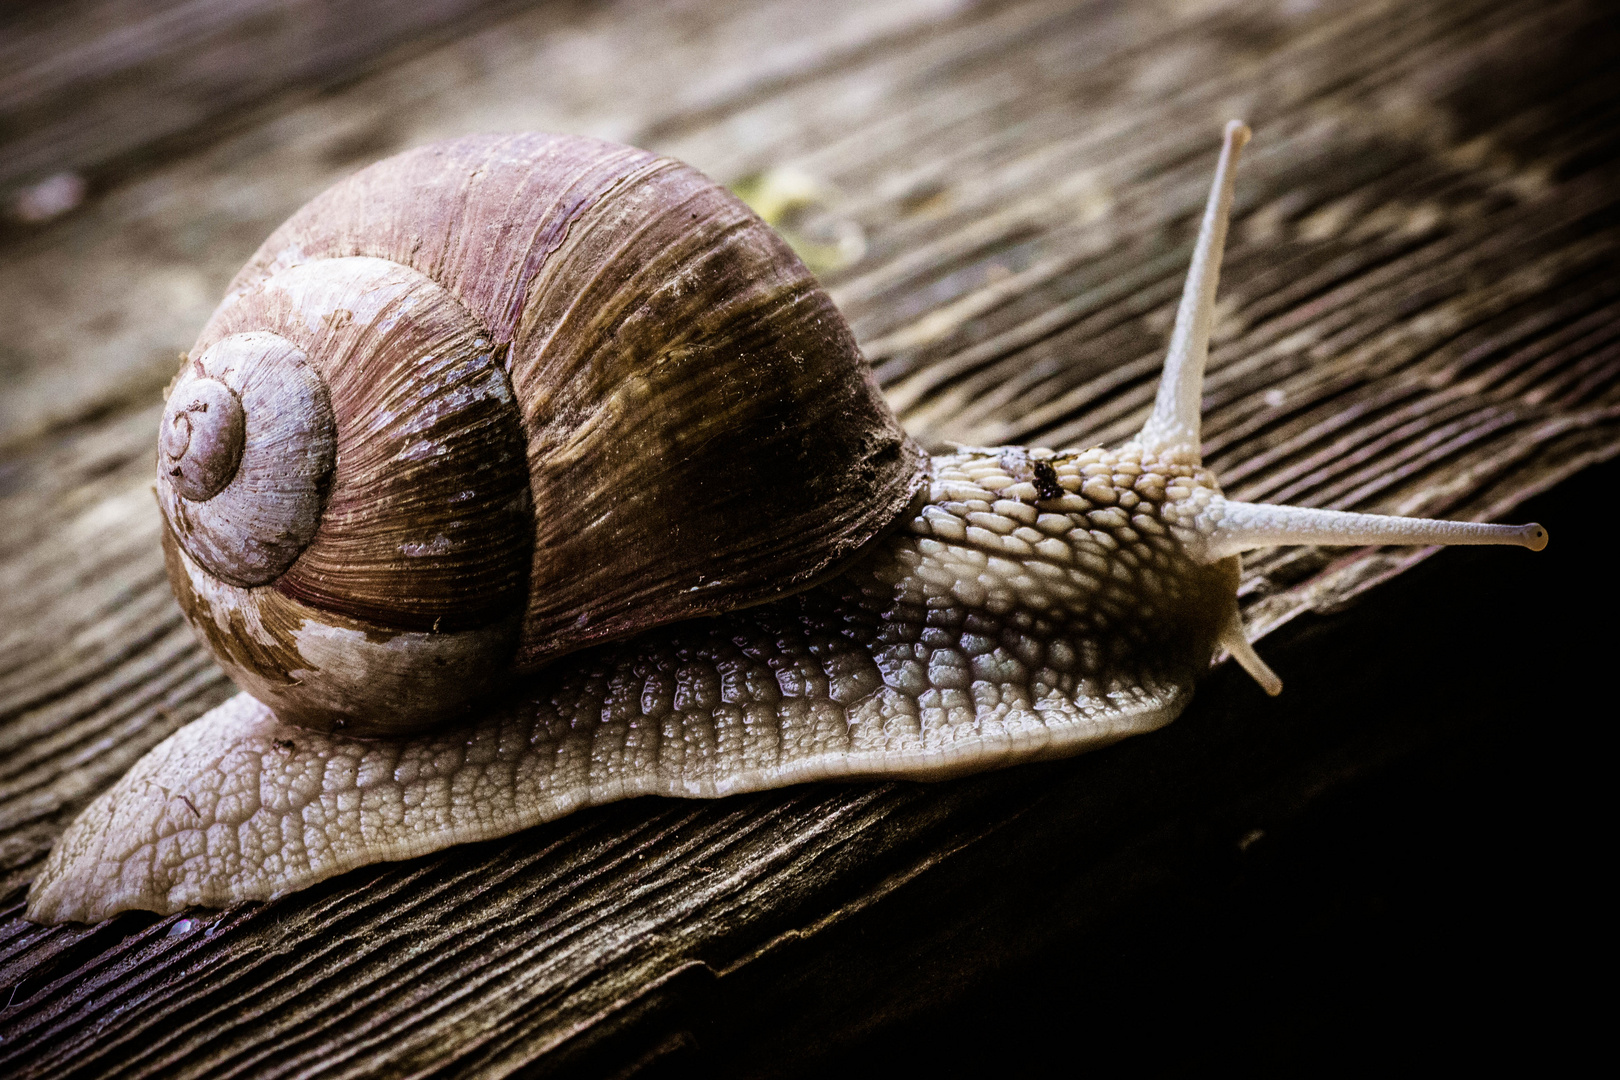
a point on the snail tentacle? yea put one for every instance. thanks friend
(1236, 642)
(1177, 409)
(1238, 526)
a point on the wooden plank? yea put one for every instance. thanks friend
(98, 88)
(1418, 315)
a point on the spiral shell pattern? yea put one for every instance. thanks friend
(501, 398)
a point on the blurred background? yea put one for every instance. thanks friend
(1420, 314)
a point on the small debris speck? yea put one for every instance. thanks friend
(50, 198)
(1046, 481)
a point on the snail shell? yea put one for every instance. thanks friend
(1033, 603)
(502, 398)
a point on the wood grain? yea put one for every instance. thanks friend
(102, 87)
(1418, 315)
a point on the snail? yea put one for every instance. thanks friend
(495, 401)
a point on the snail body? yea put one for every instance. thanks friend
(883, 614)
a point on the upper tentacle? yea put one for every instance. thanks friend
(1234, 527)
(1174, 423)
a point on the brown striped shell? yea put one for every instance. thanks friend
(500, 398)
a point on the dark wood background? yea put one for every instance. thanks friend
(1420, 314)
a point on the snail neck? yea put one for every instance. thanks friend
(1099, 554)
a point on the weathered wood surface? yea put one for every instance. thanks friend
(101, 88)
(1419, 315)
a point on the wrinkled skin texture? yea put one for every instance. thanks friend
(1038, 605)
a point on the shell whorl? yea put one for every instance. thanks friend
(245, 456)
(575, 391)
(376, 532)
